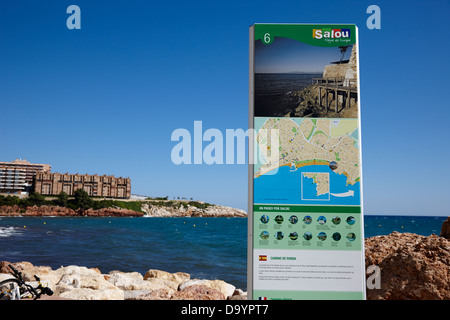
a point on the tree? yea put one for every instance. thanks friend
(62, 199)
(82, 199)
(35, 198)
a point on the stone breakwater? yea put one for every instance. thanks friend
(81, 283)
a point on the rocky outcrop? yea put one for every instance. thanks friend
(310, 107)
(81, 283)
(112, 212)
(445, 229)
(148, 209)
(191, 211)
(43, 211)
(347, 71)
(412, 267)
(310, 96)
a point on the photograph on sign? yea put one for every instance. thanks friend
(294, 79)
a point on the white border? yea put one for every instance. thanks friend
(251, 88)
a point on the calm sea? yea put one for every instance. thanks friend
(274, 92)
(208, 248)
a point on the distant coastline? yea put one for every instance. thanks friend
(38, 205)
(300, 164)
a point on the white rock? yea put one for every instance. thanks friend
(90, 294)
(71, 280)
(86, 278)
(225, 288)
(4, 276)
(127, 281)
(81, 271)
(178, 277)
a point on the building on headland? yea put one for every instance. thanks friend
(12, 180)
(52, 184)
(21, 177)
(17, 176)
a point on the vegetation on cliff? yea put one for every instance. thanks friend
(82, 204)
(81, 200)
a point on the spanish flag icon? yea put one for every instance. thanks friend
(262, 258)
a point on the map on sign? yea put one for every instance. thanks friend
(307, 161)
(317, 187)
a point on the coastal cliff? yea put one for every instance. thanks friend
(313, 101)
(187, 210)
(147, 209)
(58, 211)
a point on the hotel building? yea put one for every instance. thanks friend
(52, 184)
(17, 176)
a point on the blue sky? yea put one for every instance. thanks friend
(291, 56)
(105, 99)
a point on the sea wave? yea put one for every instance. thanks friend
(9, 231)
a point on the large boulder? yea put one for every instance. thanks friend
(158, 294)
(223, 287)
(445, 229)
(81, 283)
(177, 277)
(28, 270)
(127, 281)
(198, 292)
(91, 294)
(412, 266)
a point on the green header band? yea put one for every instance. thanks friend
(325, 209)
(320, 35)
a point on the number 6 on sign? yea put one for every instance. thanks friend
(267, 39)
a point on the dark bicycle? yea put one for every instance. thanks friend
(16, 288)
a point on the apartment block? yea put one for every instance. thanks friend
(18, 175)
(95, 185)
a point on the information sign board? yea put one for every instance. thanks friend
(305, 186)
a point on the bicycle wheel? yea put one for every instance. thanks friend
(10, 289)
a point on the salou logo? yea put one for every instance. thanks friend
(329, 33)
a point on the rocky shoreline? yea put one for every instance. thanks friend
(57, 211)
(412, 267)
(148, 210)
(81, 283)
(191, 211)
